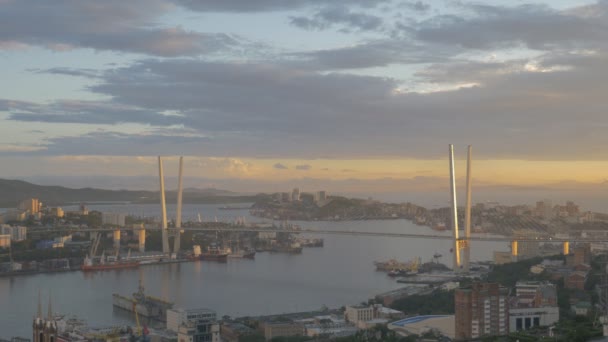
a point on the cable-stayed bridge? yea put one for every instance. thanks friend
(481, 237)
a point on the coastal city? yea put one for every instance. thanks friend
(525, 292)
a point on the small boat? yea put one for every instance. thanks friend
(394, 273)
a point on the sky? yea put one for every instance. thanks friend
(352, 95)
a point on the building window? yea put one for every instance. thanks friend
(518, 324)
(528, 322)
(536, 321)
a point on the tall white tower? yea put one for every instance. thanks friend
(454, 211)
(462, 247)
(467, 215)
(163, 205)
(178, 217)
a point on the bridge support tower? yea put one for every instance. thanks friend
(178, 219)
(116, 239)
(514, 251)
(163, 207)
(178, 215)
(141, 240)
(462, 246)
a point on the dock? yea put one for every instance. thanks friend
(428, 279)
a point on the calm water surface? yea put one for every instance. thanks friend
(340, 273)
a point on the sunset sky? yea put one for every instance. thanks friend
(351, 94)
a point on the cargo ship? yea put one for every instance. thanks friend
(311, 242)
(294, 248)
(241, 253)
(145, 306)
(246, 254)
(213, 253)
(103, 264)
(394, 265)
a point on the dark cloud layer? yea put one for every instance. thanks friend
(271, 111)
(338, 15)
(85, 112)
(376, 53)
(264, 5)
(299, 105)
(534, 26)
(127, 26)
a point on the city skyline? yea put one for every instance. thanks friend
(309, 91)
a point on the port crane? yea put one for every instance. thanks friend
(141, 332)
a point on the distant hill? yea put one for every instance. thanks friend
(210, 191)
(14, 191)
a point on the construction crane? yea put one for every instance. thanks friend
(139, 330)
(95, 244)
(140, 333)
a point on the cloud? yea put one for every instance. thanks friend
(537, 27)
(88, 73)
(85, 112)
(264, 5)
(374, 53)
(303, 167)
(338, 15)
(280, 166)
(418, 6)
(516, 112)
(17, 148)
(126, 26)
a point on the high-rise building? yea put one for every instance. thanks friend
(295, 194)
(572, 209)
(5, 241)
(481, 310)
(544, 209)
(57, 212)
(320, 196)
(194, 325)
(32, 205)
(114, 219)
(582, 254)
(17, 233)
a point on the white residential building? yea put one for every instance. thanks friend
(115, 219)
(193, 325)
(359, 313)
(526, 318)
(5, 241)
(17, 233)
(364, 316)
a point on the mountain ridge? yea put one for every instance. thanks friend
(12, 191)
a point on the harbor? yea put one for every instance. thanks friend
(340, 273)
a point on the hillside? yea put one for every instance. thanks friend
(13, 191)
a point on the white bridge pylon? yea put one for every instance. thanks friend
(163, 205)
(462, 246)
